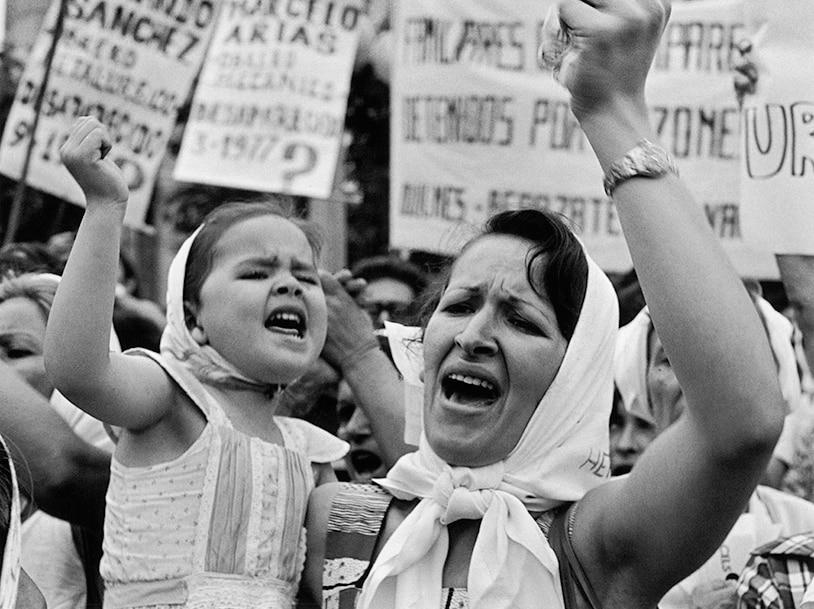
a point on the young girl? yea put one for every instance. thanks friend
(208, 490)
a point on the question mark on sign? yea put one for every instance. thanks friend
(290, 153)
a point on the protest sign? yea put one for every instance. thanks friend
(777, 172)
(268, 113)
(2, 22)
(131, 64)
(478, 126)
(696, 115)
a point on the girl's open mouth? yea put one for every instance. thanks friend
(287, 322)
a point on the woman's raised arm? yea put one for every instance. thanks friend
(660, 523)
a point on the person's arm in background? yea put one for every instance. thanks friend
(352, 347)
(797, 275)
(66, 476)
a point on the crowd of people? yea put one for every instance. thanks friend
(244, 444)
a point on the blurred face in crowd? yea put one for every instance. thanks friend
(387, 299)
(492, 347)
(22, 332)
(363, 461)
(629, 436)
(664, 394)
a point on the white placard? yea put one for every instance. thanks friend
(127, 63)
(2, 22)
(777, 173)
(269, 111)
(477, 126)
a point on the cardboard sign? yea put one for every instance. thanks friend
(269, 111)
(129, 63)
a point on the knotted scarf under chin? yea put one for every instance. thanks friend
(409, 570)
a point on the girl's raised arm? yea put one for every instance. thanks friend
(121, 390)
(684, 494)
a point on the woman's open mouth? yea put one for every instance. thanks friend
(470, 390)
(621, 469)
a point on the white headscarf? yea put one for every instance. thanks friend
(562, 454)
(203, 360)
(10, 572)
(780, 332)
(630, 365)
(631, 359)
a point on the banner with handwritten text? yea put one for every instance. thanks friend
(268, 113)
(2, 22)
(131, 64)
(478, 127)
(777, 173)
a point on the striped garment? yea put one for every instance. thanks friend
(777, 574)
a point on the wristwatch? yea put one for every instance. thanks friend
(644, 160)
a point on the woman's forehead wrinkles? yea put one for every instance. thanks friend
(507, 290)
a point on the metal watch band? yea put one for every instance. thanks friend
(644, 160)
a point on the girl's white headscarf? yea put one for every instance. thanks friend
(204, 361)
(10, 573)
(562, 454)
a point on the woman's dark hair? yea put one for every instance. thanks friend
(217, 222)
(562, 272)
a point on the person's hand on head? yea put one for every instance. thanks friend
(353, 285)
(350, 329)
(611, 46)
(85, 155)
(745, 71)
